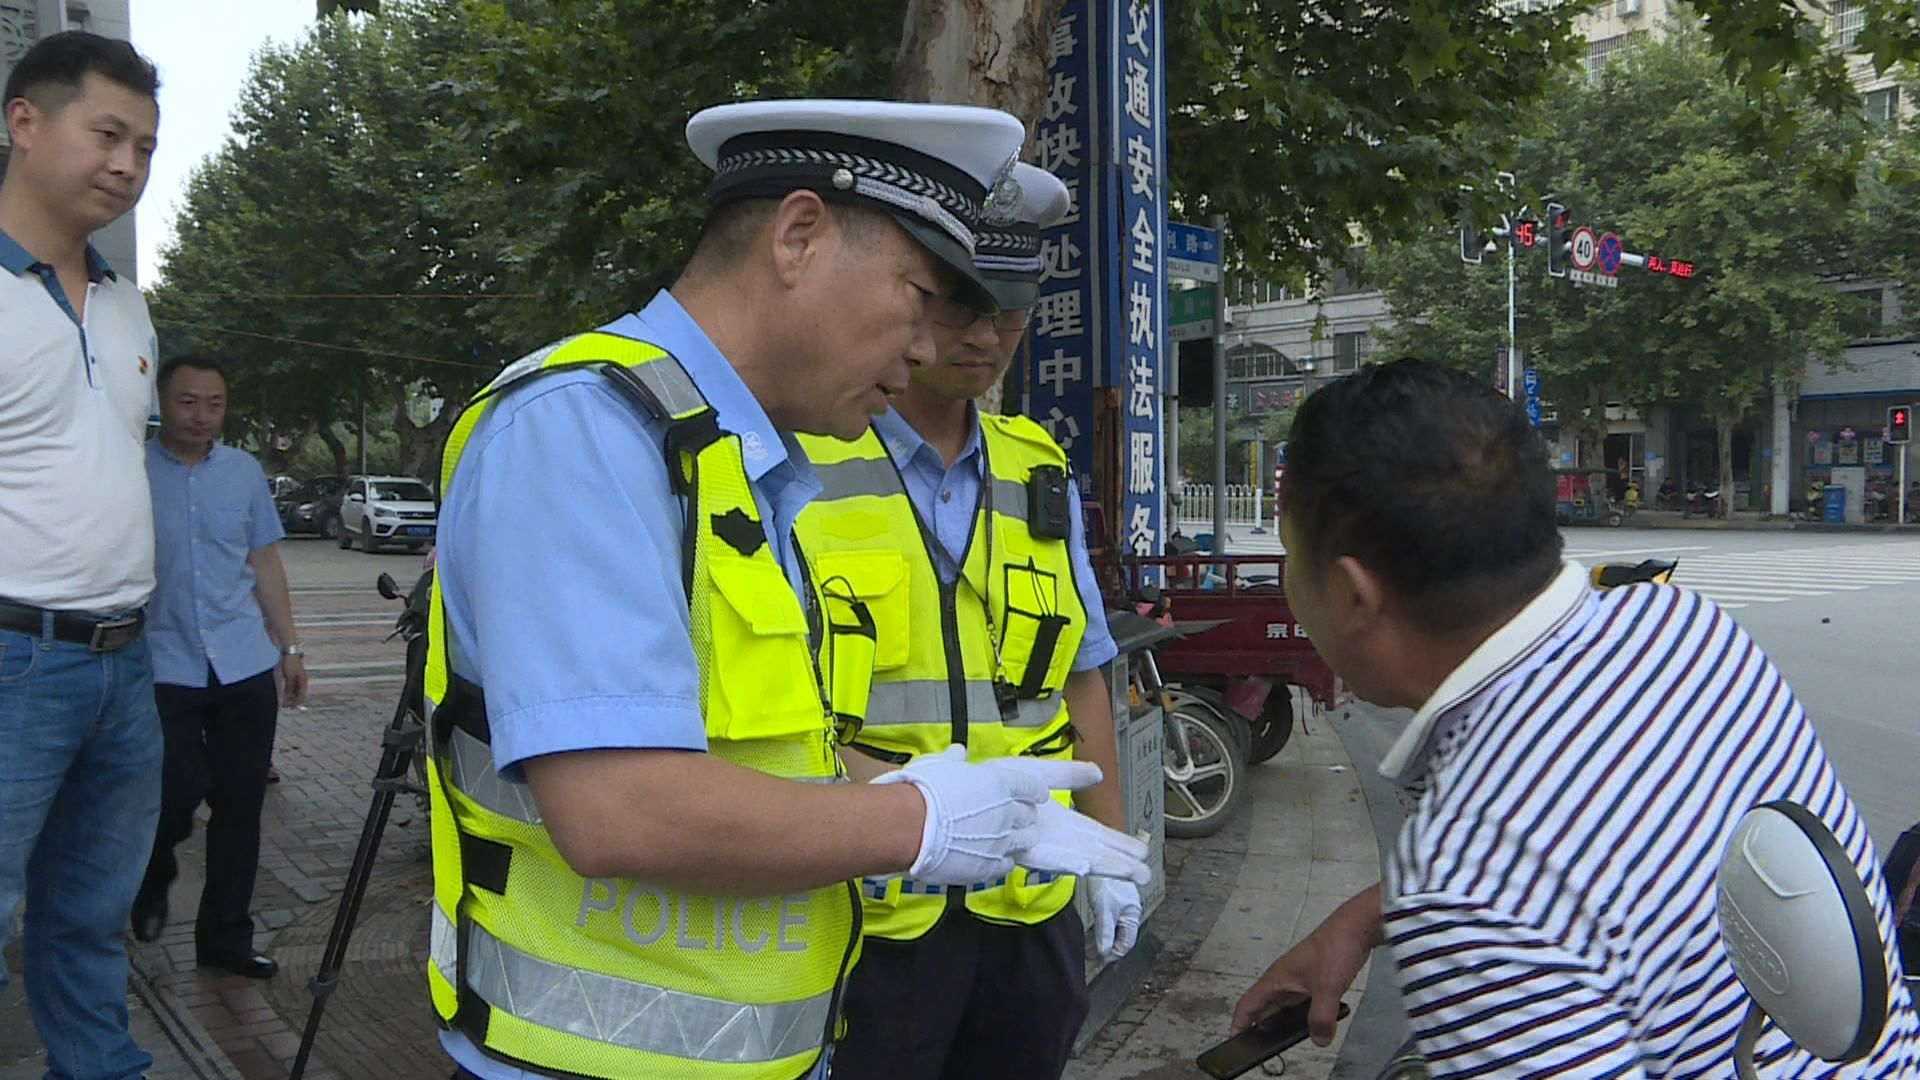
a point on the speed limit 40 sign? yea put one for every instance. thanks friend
(1586, 248)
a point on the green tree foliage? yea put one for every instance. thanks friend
(1767, 242)
(321, 249)
(511, 170)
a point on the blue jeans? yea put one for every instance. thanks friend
(80, 755)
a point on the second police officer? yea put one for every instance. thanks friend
(960, 532)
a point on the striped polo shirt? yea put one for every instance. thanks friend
(1550, 899)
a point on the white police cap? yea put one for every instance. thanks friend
(929, 166)
(1022, 202)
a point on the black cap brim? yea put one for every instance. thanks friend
(1013, 292)
(975, 289)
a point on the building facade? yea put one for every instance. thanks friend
(23, 22)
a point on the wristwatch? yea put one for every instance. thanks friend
(292, 650)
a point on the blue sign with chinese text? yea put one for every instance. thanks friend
(1192, 252)
(1066, 319)
(1137, 319)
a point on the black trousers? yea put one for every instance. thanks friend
(971, 1000)
(219, 744)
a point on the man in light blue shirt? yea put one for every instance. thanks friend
(562, 559)
(221, 628)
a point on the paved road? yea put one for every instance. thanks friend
(1839, 613)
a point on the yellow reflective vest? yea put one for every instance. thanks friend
(982, 662)
(559, 974)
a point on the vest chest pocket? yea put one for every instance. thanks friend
(878, 579)
(1037, 639)
(760, 682)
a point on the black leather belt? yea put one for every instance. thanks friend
(100, 635)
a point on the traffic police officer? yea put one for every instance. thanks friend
(960, 532)
(643, 864)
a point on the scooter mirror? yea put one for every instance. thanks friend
(387, 587)
(1799, 928)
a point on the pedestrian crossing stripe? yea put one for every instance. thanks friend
(1741, 578)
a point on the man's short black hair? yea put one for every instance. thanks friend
(197, 361)
(54, 71)
(1431, 480)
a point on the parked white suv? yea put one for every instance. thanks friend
(383, 510)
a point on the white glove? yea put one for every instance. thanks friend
(1116, 916)
(980, 816)
(1068, 842)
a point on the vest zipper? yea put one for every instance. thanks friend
(846, 963)
(956, 691)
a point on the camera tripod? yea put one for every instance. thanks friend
(401, 754)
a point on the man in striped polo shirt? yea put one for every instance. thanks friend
(1581, 758)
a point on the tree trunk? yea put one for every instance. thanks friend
(277, 460)
(1593, 429)
(420, 443)
(332, 439)
(978, 52)
(1723, 426)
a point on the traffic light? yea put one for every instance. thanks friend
(1473, 242)
(1899, 423)
(1559, 239)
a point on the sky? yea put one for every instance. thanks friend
(203, 49)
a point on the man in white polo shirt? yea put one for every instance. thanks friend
(80, 768)
(1582, 758)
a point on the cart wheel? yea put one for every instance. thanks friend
(1614, 519)
(1203, 791)
(1275, 727)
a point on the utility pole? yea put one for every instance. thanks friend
(1220, 394)
(1507, 222)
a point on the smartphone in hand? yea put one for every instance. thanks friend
(1279, 1031)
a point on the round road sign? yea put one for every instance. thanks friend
(1585, 247)
(1610, 251)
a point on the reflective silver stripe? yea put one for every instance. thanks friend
(876, 476)
(443, 946)
(856, 476)
(875, 888)
(927, 701)
(671, 385)
(475, 776)
(629, 1014)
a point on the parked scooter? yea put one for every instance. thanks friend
(1203, 753)
(1702, 502)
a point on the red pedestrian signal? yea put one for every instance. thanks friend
(1900, 423)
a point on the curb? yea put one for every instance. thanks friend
(1746, 523)
(196, 1052)
(1122, 993)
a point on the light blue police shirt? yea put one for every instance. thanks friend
(945, 498)
(560, 562)
(207, 519)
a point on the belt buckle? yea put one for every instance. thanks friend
(105, 637)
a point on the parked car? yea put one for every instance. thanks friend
(382, 510)
(312, 506)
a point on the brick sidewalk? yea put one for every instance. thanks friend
(377, 1023)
